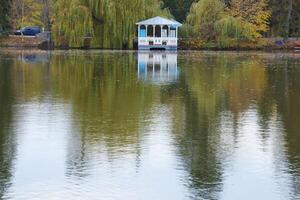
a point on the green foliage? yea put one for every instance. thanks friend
(27, 13)
(283, 16)
(4, 14)
(229, 27)
(111, 21)
(202, 18)
(179, 8)
(73, 21)
(285, 20)
(226, 24)
(230, 30)
(32, 14)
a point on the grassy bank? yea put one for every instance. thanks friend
(19, 41)
(261, 44)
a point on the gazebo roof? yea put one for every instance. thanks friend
(159, 21)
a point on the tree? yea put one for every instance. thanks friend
(202, 18)
(254, 14)
(179, 8)
(73, 21)
(295, 20)
(285, 20)
(111, 22)
(4, 14)
(229, 30)
(289, 17)
(278, 18)
(226, 22)
(46, 14)
(26, 13)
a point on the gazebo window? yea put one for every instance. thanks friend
(165, 31)
(149, 31)
(143, 31)
(157, 31)
(172, 32)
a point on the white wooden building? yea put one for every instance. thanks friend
(158, 33)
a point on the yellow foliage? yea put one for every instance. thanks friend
(30, 14)
(254, 14)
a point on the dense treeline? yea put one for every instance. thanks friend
(284, 20)
(227, 25)
(15, 14)
(111, 23)
(178, 8)
(4, 14)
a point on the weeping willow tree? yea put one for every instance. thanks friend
(73, 21)
(110, 22)
(230, 30)
(202, 18)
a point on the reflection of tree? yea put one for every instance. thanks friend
(285, 87)
(233, 81)
(7, 146)
(110, 107)
(220, 84)
(199, 152)
(108, 103)
(209, 88)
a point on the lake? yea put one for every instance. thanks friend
(149, 125)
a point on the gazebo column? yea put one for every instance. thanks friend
(169, 34)
(139, 30)
(176, 35)
(153, 30)
(146, 30)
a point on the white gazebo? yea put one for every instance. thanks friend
(158, 33)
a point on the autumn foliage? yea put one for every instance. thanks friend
(226, 25)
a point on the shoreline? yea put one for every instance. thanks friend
(15, 42)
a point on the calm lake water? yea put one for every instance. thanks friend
(151, 126)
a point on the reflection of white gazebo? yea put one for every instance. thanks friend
(157, 67)
(158, 33)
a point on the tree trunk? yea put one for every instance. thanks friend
(46, 15)
(289, 16)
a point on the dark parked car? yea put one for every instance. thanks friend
(28, 31)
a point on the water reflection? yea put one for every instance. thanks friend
(88, 125)
(7, 139)
(157, 67)
(34, 58)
